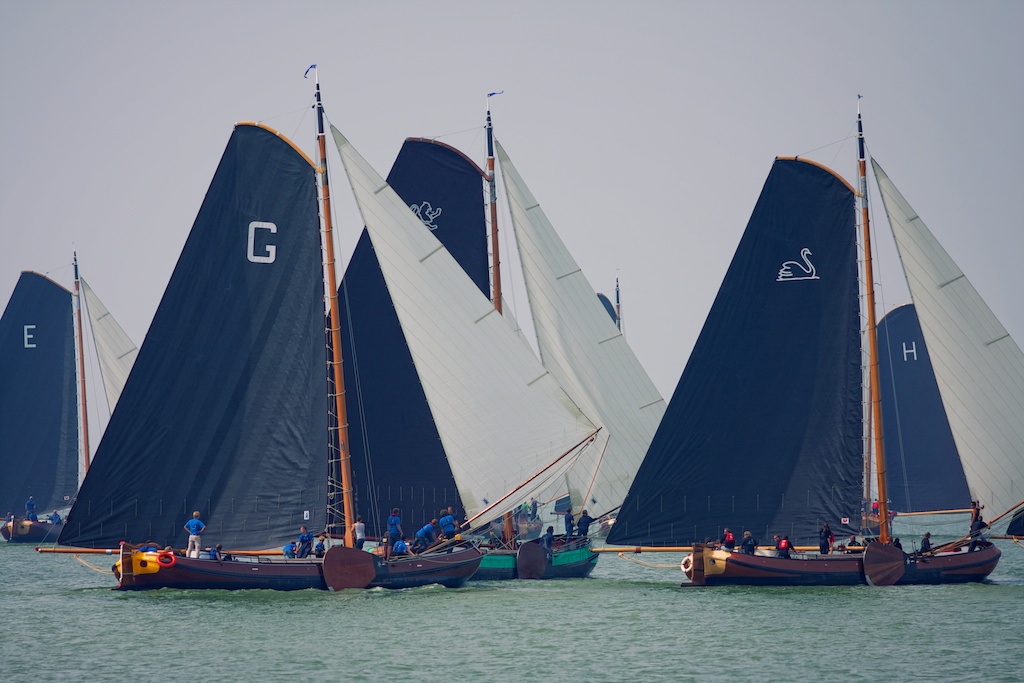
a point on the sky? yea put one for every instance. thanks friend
(645, 129)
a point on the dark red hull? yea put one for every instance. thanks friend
(451, 570)
(954, 567)
(157, 570)
(710, 567)
(22, 531)
(151, 571)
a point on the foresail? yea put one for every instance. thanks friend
(587, 354)
(225, 410)
(978, 366)
(406, 467)
(763, 432)
(114, 348)
(38, 397)
(922, 465)
(500, 415)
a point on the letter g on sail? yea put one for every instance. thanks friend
(271, 249)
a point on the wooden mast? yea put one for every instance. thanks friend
(344, 461)
(81, 368)
(869, 285)
(493, 202)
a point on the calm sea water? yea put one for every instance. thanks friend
(627, 622)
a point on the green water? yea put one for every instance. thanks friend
(625, 623)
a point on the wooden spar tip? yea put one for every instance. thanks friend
(77, 551)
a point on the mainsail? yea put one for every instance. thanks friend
(38, 397)
(922, 464)
(978, 366)
(500, 415)
(763, 432)
(225, 411)
(585, 351)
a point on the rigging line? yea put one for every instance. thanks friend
(374, 502)
(90, 565)
(837, 142)
(457, 132)
(373, 498)
(645, 563)
(881, 267)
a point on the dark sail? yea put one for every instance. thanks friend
(38, 397)
(922, 464)
(225, 411)
(397, 456)
(763, 431)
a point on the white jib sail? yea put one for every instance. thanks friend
(978, 366)
(501, 416)
(114, 348)
(586, 352)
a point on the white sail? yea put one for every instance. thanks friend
(115, 350)
(978, 366)
(585, 351)
(500, 415)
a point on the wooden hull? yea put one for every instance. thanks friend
(950, 567)
(340, 568)
(449, 569)
(23, 531)
(150, 571)
(710, 567)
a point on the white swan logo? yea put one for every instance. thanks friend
(793, 270)
(426, 213)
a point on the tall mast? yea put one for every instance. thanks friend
(493, 200)
(869, 285)
(81, 368)
(618, 305)
(344, 461)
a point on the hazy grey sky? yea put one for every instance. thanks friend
(645, 129)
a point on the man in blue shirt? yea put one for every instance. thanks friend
(195, 528)
(54, 518)
(394, 526)
(289, 549)
(547, 540)
(447, 522)
(401, 547)
(583, 524)
(305, 542)
(30, 508)
(425, 536)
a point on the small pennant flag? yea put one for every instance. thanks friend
(311, 67)
(490, 94)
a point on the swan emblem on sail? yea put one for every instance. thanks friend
(794, 270)
(426, 213)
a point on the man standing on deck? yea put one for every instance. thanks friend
(30, 509)
(825, 539)
(568, 523)
(583, 524)
(195, 529)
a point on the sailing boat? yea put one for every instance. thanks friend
(43, 416)
(227, 410)
(764, 431)
(441, 185)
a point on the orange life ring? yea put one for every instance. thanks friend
(687, 566)
(166, 559)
